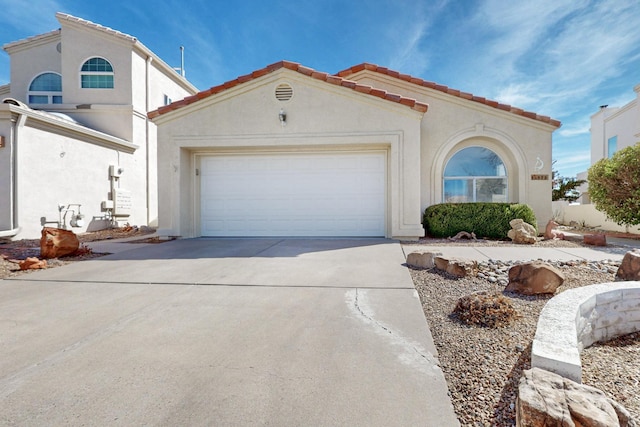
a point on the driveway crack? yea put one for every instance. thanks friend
(411, 353)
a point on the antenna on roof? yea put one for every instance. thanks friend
(180, 69)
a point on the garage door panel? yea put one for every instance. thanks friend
(340, 194)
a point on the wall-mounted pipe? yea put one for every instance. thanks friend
(17, 121)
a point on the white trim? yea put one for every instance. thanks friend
(44, 121)
(517, 173)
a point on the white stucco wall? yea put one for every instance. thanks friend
(588, 216)
(30, 60)
(453, 123)
(320, 117)
(59, 164)
(141, 80)
(80, 44)
(623, 122)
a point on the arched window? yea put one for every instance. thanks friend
(96, 73)
(46, 89)
(475, 174)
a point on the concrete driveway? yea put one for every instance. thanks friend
(229, 332)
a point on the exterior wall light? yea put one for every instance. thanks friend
(283, 117)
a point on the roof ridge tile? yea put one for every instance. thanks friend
(334, 79)
(453, 92)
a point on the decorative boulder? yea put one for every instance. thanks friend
(534, 278)
(595, 239)
(458, 267)
(548, 399)
(56, 242)
(522, 232)
(422, 259)
(550, 233)
(630, 267)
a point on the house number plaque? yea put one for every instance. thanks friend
(540, 177)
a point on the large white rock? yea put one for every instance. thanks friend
(546, 399)
(422, 259)
(522, 232)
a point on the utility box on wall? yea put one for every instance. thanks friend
(122, 203)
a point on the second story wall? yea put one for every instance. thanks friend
(31, 58)
(81, 44)
(614, 128)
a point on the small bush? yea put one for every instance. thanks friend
(485, 309)
(486, 220)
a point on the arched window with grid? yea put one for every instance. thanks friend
(46, 88)
(96, 73)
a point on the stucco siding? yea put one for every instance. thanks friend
(79, 45)
(28, 64)
(453, 123)
(56, 169)
(320, 117)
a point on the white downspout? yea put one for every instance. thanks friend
(17, 121)
(146, 124)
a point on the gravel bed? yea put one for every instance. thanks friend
(483, 365)
(13, 251)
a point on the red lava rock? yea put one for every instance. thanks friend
(595, 239)
(32, 263)
(56, 242)
(630, 267)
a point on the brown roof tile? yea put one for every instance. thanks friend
(442, 88)
(329, 78)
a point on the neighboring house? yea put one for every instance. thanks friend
(612, 129)
(290, 151)
(76, 146)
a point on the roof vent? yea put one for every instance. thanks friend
(284, 92)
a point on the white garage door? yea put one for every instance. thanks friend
(338, 194)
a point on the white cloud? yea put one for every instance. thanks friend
(571, 163)
(550, 56)
(407, 32)
(579, 129)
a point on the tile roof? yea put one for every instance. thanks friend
(332, 79)
(70, 18)
(447, 90)
(31, 39)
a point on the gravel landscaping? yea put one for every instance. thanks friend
(13, 251)
(483, 365)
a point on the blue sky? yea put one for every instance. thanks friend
(561, 58)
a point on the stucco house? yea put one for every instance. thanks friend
(290, 151)
(77, 149)
(612, 129)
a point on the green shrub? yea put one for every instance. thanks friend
(486, 220)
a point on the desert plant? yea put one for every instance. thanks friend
(487, 309)
(486, 220)
(614, 186)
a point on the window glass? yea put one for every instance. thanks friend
(96, 73)
(612, 146)
(46, 89)
(49, 82)
(475, 174)
(97, 64)
(38, 99)
(97, 81)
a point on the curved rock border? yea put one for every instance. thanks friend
(577, 318)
